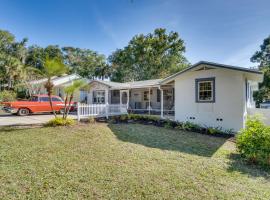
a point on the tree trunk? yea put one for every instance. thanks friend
(69, 103)
(49, 90)
(65, 108)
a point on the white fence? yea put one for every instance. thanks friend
(261, 111)
(99, 110)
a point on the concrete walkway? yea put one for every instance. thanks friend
(13, 120)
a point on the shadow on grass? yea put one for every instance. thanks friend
(237, 163)
(166, 139)
(16, 128)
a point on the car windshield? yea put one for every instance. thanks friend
(44, 99)
(56, 99)
(34, 98)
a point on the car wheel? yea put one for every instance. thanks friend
(23, 112)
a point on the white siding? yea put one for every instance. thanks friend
(229, 99)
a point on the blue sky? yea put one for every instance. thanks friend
(227, 31)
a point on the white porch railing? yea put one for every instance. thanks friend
(99, 110)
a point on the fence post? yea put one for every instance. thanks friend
(107, 110)
(78, 111)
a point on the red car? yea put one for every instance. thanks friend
(36, 104)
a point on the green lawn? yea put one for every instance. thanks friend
(103, 161)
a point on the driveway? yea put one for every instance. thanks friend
(12, 120)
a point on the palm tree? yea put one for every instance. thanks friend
(69, 91)
(53, 67)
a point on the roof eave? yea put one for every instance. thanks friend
(172, 77)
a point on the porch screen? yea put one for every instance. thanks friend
(99, 97)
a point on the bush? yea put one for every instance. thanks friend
(214, 130)
(168, 124)
(188, 126)
(124, 118)
(59, 121)
(6, 96)
(253, 142)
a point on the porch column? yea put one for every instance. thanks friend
(127, 99)
(107, 96)
(149, 101)
(120, 95)
(161, 103)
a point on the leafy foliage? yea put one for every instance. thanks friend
(253, 142)
(86, 63)
(36, 56)
(69, 91)
(58, 121)
(151, 56)
(263, 58)
(12, 57)
(7, 96)
(52, 67)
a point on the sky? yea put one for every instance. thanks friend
(223, 31)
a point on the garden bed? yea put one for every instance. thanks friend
(167, 123)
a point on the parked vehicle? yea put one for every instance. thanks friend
(36, 104)
(265, 104)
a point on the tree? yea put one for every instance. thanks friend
(85, 62)
(69, 91)
(12, 58)
(30, 74)
(155, 55)
(263, 58)
(52, 67)
(36, 56)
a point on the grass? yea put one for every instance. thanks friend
(101, 161)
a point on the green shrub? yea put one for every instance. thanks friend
(214, 130)
(6, 96)
(59, 121)
(253, 142)
(168, 124)
(188, 126)
(124, 118)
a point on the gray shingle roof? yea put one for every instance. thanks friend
(127, 85)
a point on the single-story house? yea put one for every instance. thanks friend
(209, 94)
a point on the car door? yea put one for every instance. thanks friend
(44, 104)
(57, 103)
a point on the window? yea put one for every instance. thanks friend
(205, 90)
(99, 96)
(115, 93)
(158, 95)
(34, 98)
(56, 99)
(146, 95)
(44, 99)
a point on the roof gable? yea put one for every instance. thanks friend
(211, 65)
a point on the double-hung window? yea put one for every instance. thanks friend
(205, 90)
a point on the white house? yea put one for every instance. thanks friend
(206, 93)
(214, 94)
